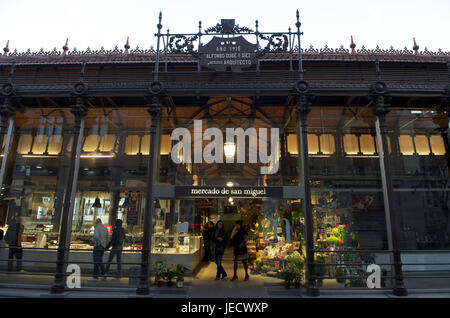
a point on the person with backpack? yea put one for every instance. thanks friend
(13, 238)
(117, 238)
(100, 243)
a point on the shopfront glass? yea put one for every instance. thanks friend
(34, 185)
(112, 182)
(346, 190)
(420, 173)
(275, 225)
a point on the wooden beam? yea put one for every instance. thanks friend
(51, 101)
(110, 100)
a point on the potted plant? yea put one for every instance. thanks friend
(169, 274)
(297, 276)
(179, 274)
(340, 273)
(159, 269)
(320, 269)
(286, 275)
(295, 263)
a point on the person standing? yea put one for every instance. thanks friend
(239, 239)
(100, 242)
(13, 238)
(208, 232)
(219, 242)
(117, 238)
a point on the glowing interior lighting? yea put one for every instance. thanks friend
(230, 199)
(229, 184)
(229, 149)
(96, 156)
(39, 156)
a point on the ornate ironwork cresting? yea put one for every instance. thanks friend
(191, 43)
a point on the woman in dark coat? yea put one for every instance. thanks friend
(219, 240)
(239, 239)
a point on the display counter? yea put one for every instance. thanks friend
(189, 254)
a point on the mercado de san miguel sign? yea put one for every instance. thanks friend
(228, 53)
(223, 191)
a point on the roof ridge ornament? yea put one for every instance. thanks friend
(415, 47)
(352, 45)
(6, 49)
(127, 46)
(65, 47)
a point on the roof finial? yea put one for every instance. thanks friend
(127, 45)
(415, 47)
(65, 47)
(6, 49)
(352, 44)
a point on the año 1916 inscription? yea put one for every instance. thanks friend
(234, 53)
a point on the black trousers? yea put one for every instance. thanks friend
(17, 252)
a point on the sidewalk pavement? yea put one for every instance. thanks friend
(201, 285)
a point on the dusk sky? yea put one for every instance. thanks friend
(47, 23)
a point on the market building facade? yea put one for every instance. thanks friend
(340, 155)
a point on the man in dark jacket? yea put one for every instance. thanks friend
(13, 238)
(117, 239)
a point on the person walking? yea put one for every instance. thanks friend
(117, 238)
(219, 242)
(13, 238)
(239, 239)
(100, 242)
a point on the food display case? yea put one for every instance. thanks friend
(175, 244)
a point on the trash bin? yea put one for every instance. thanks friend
(133, 280)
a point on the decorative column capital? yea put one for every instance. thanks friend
(7, 109)
(154, 108)
(380, 108)
(379, 94)
(79, 109)
(303, 106)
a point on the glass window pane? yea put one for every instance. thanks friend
(132, 145)
(313, 144)
(91, 143)
(367, 144)
(55, 144)
(39, 144)
(24, 145)
(107, 143)
(145, 144)
(437, 145)
(422, 146)
(292, 144)
(351, 144)
(406, 145)
(327, 144)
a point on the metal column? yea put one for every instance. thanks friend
(380, 111)
(155, 111)
(79, 110)
(303, 108)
